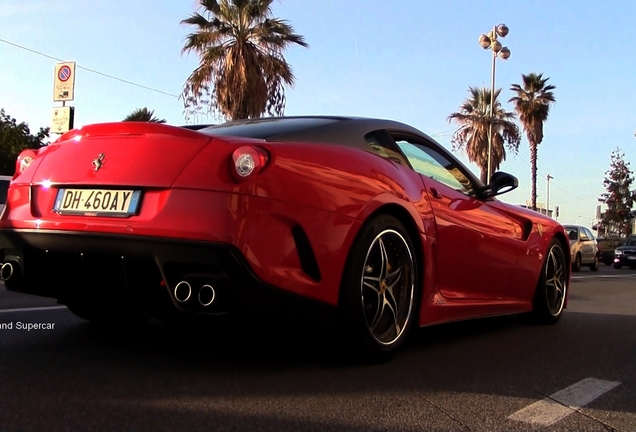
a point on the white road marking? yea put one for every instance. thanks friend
(604, 276)
(561, 404)
(31, 309)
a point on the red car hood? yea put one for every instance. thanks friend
(128, 153)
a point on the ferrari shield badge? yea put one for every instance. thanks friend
(98, 162)
(540, 229)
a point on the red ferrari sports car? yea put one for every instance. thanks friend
(371, 218)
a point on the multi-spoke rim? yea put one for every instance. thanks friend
(555, 280)
(388, 286)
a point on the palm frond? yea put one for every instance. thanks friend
(143, 115)
(474, 118)
(242, 72)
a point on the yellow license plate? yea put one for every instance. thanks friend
(97, 202)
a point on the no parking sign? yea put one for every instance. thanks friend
(64, 82)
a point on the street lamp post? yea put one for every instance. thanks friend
(489, 41)
(547, 195)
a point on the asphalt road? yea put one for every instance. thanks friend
(470, 376)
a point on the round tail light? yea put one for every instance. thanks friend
(25, 158)
(248, 161)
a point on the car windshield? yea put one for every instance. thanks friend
(631, 241)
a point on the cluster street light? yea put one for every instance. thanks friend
(489, 41)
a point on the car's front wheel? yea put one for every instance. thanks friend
(551, 291)
(594, 266)
(378, 295)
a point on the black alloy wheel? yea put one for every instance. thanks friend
(378, 297)
(551, 291)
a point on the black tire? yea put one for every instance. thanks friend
(378, 294)
(594, 266)
(551, 291)
(608, 262)
(617, 266)
(576, 264)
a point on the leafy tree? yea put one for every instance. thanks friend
(143, 115)
(619, 196)
(242, 70)
(532, 104)
(15, 137)
(472, 136)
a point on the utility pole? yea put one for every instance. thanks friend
(547, 195)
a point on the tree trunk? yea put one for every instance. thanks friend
(483, 176)
(533, 168)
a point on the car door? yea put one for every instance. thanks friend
(584, 247)
(476, 245)
(590, 246)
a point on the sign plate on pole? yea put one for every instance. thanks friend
(64, 82)
(62, 119)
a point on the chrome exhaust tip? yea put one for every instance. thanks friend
(182, 292)
(6, 271)
(207, 294)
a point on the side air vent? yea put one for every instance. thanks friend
(306, 254)
(527, 229)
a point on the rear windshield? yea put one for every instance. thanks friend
(266, 128)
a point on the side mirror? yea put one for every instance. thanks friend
(501, 183)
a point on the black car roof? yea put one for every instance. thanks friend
(327, 129)
(339, 130)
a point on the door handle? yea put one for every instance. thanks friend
(435, 193)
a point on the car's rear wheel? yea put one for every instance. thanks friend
(576, 264)
(617, 266)
(594, 266)
(378, 295)
(551, 292)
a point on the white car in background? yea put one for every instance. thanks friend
(4, 187)
(583, 247)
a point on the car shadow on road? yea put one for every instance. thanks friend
(273, 374)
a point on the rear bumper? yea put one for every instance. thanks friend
(295, 248)
(136, 270)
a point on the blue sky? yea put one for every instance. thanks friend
(407, 60)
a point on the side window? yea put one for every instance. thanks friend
(430, 163)
(584, 234)
(573, 234)
(375, 140)
(589, 234)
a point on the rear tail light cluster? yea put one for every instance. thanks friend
(25, 158)
(247, 161)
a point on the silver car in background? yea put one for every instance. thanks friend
(583, 247)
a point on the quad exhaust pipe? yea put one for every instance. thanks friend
(183, 292)
(6, 271)
(206, 295)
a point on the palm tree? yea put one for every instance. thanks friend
(472, 136)
(143, 115)
(532, 103)
(241, 71)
